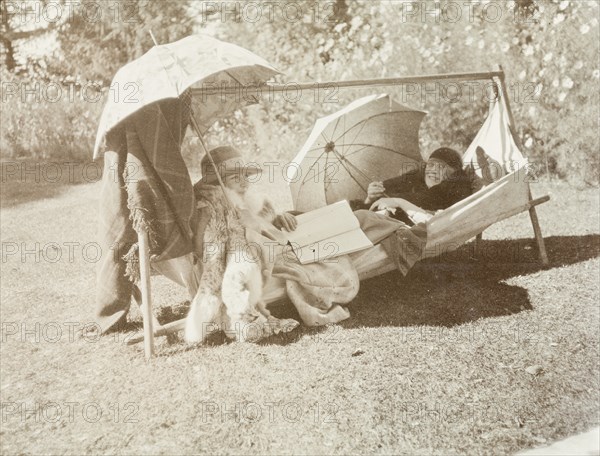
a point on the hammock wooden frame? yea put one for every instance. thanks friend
(377, 257)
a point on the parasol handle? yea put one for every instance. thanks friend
(341, 158)
(210, 159)
(153, 38)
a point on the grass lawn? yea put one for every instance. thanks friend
(440, 362)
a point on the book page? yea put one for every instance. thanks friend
(328, 249)
(323, 223)
(326, 233)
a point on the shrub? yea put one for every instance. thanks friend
(33, 127)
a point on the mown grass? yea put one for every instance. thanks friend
(434, 363)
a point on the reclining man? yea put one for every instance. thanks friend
(411, 199)
(414, 197)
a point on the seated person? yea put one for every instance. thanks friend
(415, 196)
(231, 223)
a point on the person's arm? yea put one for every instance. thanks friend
(415, 213)
(374, 192)
(392, 187)
(284, 221)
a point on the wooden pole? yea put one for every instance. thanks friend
(137, 296)
(504, 96)
(478, 241)
(537, 230)
(165, 329)
(356, 83)
(144, 254)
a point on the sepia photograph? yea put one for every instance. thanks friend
(300, 227)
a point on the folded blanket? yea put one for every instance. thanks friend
(317, 290)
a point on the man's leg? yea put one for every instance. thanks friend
(113, 288)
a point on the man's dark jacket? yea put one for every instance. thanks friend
(412, 188)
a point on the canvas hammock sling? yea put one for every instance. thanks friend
(505, 192)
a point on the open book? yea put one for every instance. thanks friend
(326, 233)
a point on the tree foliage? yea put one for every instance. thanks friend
(94, 37)
(97, 49)
(548, 49)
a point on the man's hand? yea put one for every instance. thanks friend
(374, 192)
(285, 222)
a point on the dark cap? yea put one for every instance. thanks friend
(448, 156)
(228, 160)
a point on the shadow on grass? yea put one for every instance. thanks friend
(23, 181)
(178, 311)
(445, 291)
(457, 288)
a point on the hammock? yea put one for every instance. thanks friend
(495, 160)
(498, 165)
